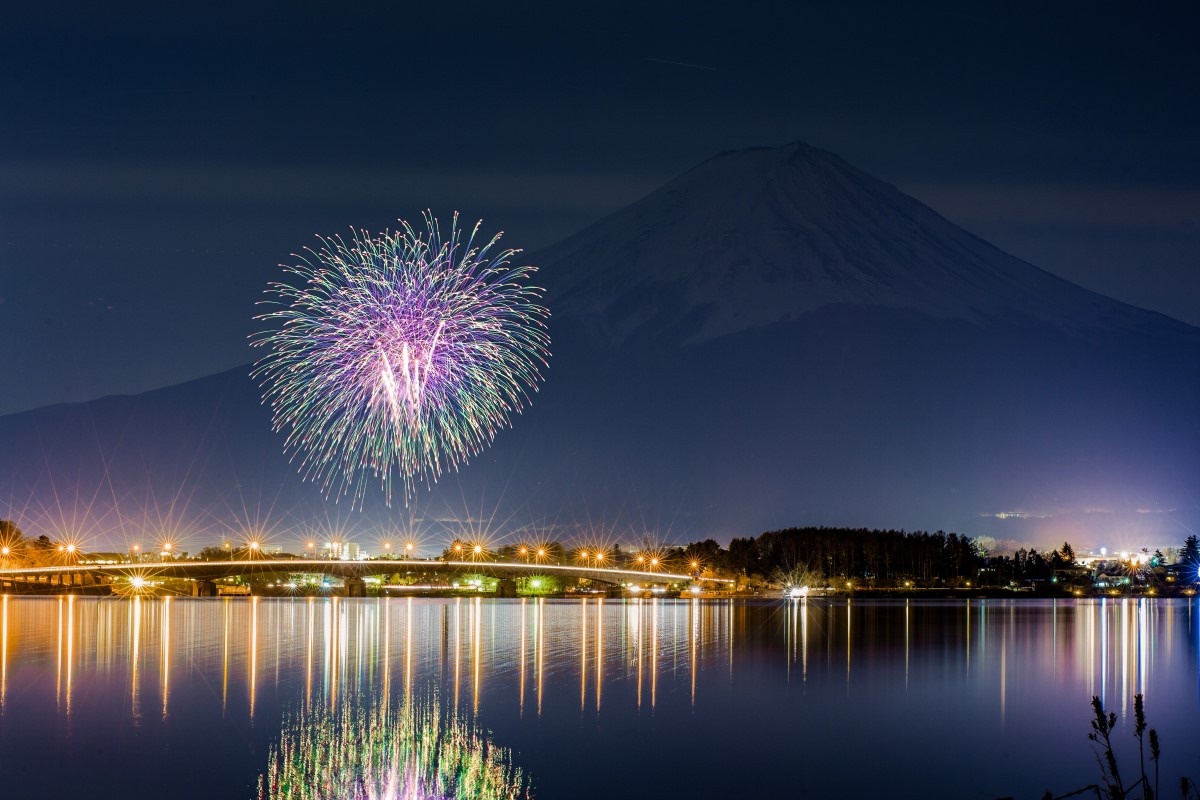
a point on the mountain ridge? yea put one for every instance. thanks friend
(827, 242)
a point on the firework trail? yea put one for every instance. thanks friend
(404, 351)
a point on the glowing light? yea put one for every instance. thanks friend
(477, 549)
(137, 582)
(416, 751)
(401, 351)
(5, 551)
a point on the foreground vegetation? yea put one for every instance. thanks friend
(1112, 786)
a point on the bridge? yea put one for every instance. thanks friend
(205, 574)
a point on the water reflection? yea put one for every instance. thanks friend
(414, 750)
(665, 671)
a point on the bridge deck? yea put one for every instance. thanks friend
(208, 570)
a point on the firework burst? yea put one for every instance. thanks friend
(400, 352)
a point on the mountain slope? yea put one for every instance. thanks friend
(758, 236)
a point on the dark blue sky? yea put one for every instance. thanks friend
(158, 162)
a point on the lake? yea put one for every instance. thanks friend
(595, 698)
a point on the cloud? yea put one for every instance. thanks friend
(1112, 207)
(1014, 515)
(242, 185)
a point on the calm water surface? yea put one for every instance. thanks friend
(582, 699)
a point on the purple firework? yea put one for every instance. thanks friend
(404, 351)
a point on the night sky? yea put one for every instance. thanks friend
(157, 163)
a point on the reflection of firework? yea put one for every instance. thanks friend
(401, 349)
(414, 752)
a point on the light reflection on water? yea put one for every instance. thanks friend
(136, 689)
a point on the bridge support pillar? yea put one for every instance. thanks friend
(355, 587)
(204, 589)
(506, 587)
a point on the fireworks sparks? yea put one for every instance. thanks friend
(417, 751)
(399, 352)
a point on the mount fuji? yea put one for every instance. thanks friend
(773, 338)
